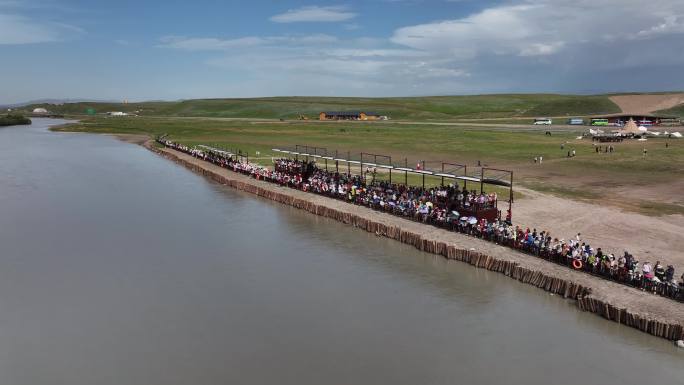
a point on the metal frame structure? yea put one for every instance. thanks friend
(387, 166)
(215, 150)
(452, 173)
(504, 177)
(499, 180)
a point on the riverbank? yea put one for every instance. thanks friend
(14, 120)
(654, 315)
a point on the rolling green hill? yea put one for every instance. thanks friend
(675, 111)
(414, 108)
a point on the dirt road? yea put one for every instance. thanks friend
(615, 231)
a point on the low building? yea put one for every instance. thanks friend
(349, 115)
(40, 111)
(619, 120)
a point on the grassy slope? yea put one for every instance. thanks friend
(676, 111)
(589, 176)
(418, 108)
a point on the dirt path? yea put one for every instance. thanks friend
(648, 238)
(646, 104)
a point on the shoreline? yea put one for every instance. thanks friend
(651, 314)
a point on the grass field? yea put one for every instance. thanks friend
(415, 108)
(619, 178)
(675, 111)
(12, 120)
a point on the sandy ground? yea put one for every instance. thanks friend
(645, 104)
(133, 138)
(615, 231)
(637, 301)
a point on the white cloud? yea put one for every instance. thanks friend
(17, 29)
(208, 43)
(523, 45)
(348, 69)
(372, 52)
(217, 44)
(315, 55)
(541, 49)
(315, 14)
(544, 27)
(671, 24)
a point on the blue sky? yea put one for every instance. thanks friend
(191, 49)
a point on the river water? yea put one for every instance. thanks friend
(119, 267)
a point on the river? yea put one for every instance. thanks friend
(119, 267)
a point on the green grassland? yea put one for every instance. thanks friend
(414, 108)
(588, 176)
(674, 111)
(13, 119)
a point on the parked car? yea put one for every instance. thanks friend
(543, 122)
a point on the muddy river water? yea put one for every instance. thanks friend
(118, 267)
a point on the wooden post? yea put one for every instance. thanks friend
(348, 165)
(363, 174)
(442, 173)
(510, 199)
(481, 180)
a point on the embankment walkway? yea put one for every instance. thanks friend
(649, 313)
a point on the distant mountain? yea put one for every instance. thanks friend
(54, 101)
(415, 108)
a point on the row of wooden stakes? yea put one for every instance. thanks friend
(566, 288)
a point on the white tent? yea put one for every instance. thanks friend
(631, 128)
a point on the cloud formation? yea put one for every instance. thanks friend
(315, 14)
(21, 23)
(16, 29)
(545, 27)
(524, 45)
(219, 44)
(515, 46)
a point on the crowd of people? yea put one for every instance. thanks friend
(455, 209)
(434, 205)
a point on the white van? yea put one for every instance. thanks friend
(543, 121)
